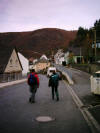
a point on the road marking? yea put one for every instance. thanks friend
(93, 124)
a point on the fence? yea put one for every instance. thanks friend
(11, 77)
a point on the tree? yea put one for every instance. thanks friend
(82, 33)
(71, 59)
(97, 28)
(81, 37)
(85, 38)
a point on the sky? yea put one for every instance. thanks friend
(29, 15)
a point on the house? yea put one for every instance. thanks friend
(59, 57)
(25, 64)
(97, 45)
(44, 57)
(78, 54)
(32, 63)
(66, 57)
(41, 64)
(10, 65)
(73, 55)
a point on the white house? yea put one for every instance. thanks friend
(66, 57)
(44, 57)
(41, 65)
(24, 61)
(59, 57)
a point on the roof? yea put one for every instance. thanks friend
(5, 53)
(18, 58)
(42, 61)
(4, 58)
(98, 72)
(24, 61)
(43, 57)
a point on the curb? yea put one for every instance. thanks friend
(70, 81)
(68, 78)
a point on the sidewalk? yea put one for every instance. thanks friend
(12, 83)
(82, 89)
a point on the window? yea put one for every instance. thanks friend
(97, 75)
(10, 61)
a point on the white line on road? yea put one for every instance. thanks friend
(93, 124)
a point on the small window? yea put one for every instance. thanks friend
(96, 75)
(10, 61)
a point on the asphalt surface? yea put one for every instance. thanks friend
(82, 89)
(17, 115)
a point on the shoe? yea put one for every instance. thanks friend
(30, 99)
(57, 99)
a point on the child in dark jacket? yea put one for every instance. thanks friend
(33, 82)
(53, 83)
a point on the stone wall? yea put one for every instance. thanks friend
(89, 68)
(94, 68)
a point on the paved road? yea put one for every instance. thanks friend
(82, 88)
(17, 115)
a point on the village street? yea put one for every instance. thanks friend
(18, 115)
(43, 47)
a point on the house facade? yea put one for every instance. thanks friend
(41, 65)
(59, 57)
(25, 64)
(71, 56)
(10, 65)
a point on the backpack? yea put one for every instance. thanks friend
(54, 79)
(32, 80)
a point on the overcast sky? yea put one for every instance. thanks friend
(28, 15)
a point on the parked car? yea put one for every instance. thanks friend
(50, 71)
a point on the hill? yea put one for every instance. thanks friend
(38, 42)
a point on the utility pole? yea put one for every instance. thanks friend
(80, 56)
(95, 42)
(52, 55)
